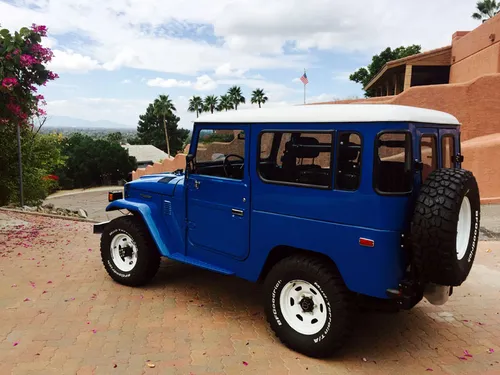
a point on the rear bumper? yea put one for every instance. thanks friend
(99, 227)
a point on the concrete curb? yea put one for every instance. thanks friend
(49, 215)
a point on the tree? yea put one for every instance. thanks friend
(150, 131)
(22, 67)
(163, 107)
(225, 103)
(116, 137)
(211, 103)
(196, 105)
(259, 97)
(365, 75)
(486, 9)
(93, 162)
(235, 96)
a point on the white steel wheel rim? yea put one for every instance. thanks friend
(463, 228)
(123, 252)
(303, 307)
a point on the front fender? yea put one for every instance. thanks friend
(144, 211)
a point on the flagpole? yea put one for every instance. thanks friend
(304, 89)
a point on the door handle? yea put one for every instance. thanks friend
(237, 212)
(196, 184)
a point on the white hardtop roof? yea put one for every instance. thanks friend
(332, 113)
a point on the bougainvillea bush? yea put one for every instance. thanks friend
(23, 70)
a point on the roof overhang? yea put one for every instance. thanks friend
(435, 57)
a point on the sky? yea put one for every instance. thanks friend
(114, 57)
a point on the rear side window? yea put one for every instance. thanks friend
(448, 151)
(428, 155)
(298, 158)
(393, 163)
(348, 172)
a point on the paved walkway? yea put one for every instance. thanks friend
(60, 313)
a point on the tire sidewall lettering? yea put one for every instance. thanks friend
(475, 233)
(328, 325)
(273, 302)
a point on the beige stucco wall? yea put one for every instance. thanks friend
(476, 53)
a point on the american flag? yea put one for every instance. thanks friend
(304, 79)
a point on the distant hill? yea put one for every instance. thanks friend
(71, 122)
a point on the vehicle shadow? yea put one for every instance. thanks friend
(375, 336)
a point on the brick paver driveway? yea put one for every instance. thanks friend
(61, 314)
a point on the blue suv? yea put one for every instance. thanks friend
(319, 203)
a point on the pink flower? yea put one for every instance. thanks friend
(27, 60)
(39, 97)
(42, 112)
(53, 75)
(42, 30)
(9, 82)
(16, 343)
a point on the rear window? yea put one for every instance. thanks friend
(393, 163)
(448, 151)
(428, 155)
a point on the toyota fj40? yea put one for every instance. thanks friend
(320, 203)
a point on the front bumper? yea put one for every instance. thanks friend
(99, 227)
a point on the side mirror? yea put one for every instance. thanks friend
(189, 163)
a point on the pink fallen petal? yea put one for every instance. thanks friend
(465, 320)
(364, 360)
(90, 249)
(26, 300)
(462, 358)
(245, 363)
(88, 322)
(94, 331)
(49, 282)
(66, 275)
(490, 351)
(15, 343)
(429, 369)
(72, 298)
(13, 285)
(44, 292)
(481, 324)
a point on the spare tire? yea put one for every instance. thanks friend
(445, 227)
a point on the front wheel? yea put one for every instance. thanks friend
(128, 251)
(308, 305)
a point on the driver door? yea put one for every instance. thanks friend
(218, 193)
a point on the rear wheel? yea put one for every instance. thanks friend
(445, 227)
(307, 305)
(128, 251)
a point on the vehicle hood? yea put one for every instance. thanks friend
(163, 183)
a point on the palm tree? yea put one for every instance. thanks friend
(196, 105)
(259, 97)
(164, 107)
(211, 103)
(487, 9)
(225, 103)
(235, 96)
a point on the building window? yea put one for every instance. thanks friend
(448, 151)
(220, 153)
(428, 155)
(348, 175)
(393, 163)
(297, 158)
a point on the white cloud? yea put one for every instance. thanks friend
(204, 83)
(126, 81)
(296, 80)
(167, 83)
(251, 34)
(70, 61)
(225, 70)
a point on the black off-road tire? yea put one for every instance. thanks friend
(148, 258)
(435, 223)
(339, 305)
